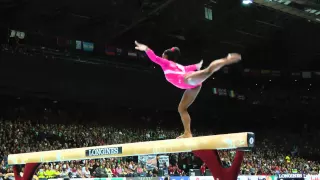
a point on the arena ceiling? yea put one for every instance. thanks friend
(269, 33)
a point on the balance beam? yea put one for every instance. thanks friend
(217, 142)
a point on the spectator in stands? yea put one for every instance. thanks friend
(203, 169)
(41, 173)
(64, 173)
(2, 172)
(86, 172)
(155, 171)
(79, 172)
(114, 171)
(73, 172)
(140, 171)
(101, 171)
(108, 170)
(150, 174)
(119, 171)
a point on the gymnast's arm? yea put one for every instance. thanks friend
(152, 56)
(156, 59)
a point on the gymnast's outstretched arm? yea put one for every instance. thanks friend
(152, 56)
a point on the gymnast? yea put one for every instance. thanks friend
(189, 77)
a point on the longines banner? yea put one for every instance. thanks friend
(104, 151)
(291, 176)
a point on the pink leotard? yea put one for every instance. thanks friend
(173, 72)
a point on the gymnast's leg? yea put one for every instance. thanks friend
(199, 77)
(187, 99)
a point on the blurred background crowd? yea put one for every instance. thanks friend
(275, 152)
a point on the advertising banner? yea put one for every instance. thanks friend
(87, 46)
(179, 178)
(163, 160)
(257, 177)
(201, 178)
(142, 178)
(110, 50)
(312, 177)
(103, 151)
(148, 161)
(78, 45)
(239, 178)
(91, 179)
(291, 176)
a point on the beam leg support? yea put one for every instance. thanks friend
(213, 162)
(28, 172)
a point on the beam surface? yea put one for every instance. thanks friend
(224, 141)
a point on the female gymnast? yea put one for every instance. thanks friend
(189, 77)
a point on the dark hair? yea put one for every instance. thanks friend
(173, 54)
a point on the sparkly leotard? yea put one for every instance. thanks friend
(173, 72)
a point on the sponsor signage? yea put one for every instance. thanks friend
(239, 178)
(179, 178)
(201, 178)
(91, 179)
(291, 176)
(163, 159)
(103, 151)
(312, 177)
(142, 178)
(150, 161)
(256, 177)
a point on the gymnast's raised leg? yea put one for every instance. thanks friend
(199, 77)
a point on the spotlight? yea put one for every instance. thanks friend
(247, 1)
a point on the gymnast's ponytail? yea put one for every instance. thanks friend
(173, 54)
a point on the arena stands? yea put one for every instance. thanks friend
(274, 154)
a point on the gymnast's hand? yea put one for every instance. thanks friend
(140, 47)
(199, 65)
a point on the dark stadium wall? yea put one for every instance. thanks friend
(84, 82)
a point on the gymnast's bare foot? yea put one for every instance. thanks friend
(233, 58)
(185, 135)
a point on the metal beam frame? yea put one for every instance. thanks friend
(134, 24)
(287, 9)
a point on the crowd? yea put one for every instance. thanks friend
(24, 136)
(275, 151)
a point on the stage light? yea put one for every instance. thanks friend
(246, 1)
